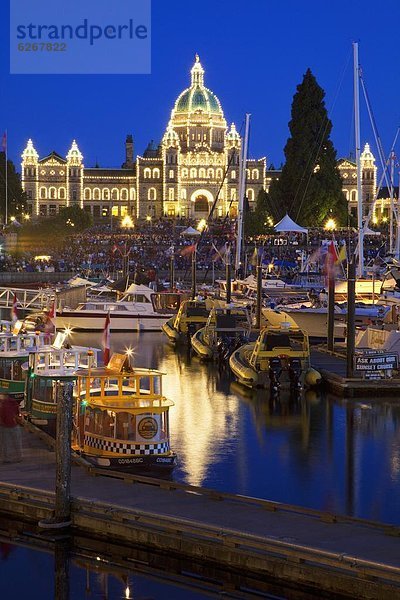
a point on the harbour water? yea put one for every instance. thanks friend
(318, 451)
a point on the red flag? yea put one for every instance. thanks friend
(188, 250)
(106, 340)
(331, 260)
(14, 311)
(52, 312)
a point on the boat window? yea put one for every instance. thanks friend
(100, 422)
(44, 390)
(167, 302)
(144, 384)
(113, 307)
(140, 298)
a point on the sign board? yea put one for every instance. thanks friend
(375, 364)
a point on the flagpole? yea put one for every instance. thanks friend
(6, 151)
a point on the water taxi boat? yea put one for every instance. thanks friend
(192, 315)
(14, 352)
(226, 329)
(122, 418)
(281, 355)
(47, 366)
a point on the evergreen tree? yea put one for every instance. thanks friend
(256, 222)
(310, 187)
(15, 196)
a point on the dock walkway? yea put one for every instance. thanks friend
(312, 548)
(332, 367)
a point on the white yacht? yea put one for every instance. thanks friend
(137, 310)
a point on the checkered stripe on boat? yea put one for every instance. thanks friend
(124, 447)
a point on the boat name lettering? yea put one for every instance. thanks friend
(127, 461)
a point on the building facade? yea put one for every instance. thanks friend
(195, 164)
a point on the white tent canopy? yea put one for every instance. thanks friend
(368, 231)
(289, 226)
(190, 231)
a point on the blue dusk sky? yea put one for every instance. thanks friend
(254, 54)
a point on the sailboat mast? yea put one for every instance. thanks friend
(391, 201)
(242, 192)
(360, 270)
(6, 177)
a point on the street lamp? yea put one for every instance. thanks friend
(127, 222)
(330, 225)
(201, 225)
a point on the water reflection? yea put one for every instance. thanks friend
(315, 450)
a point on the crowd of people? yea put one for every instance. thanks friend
(100, 251)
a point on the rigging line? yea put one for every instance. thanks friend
(311, 159)
(378, 140)
(378, 189)
(218, 193)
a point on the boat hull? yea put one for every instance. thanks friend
(202, 350)
(95, 322)
(133, 463)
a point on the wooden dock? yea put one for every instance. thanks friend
(307, 549)
(332, 366)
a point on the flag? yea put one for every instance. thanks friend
(106, 340)
(50, 326)
(331, 260)
(254, 257)
(188, 250)
(14, 311)
(114, 249)
(342, 256)
(4, 142)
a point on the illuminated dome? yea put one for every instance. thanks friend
(197, 99)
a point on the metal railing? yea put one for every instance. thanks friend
(26, 299)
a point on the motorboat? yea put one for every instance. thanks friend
(45, 367)
(279, 356)
(122, 418)
(14, 352)
(313, 317)
(135, 311)
(192, 315)
(226, 329)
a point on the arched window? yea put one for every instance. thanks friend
(52, 193)
(255, 174)
(202, 173)
(184, 172)
(171, 194)
(114, 194)
(171, 173)
(96, 194)
(250, 195)
(354, 195)
(219, 174)
(233, 174)
(201, 204)
(87, 194)
(124, 194)
(233, 194)
(106, 194)
(62, 193)
(152, 194)
(183, 194)
(133, 194)
(43, 193)
(147, 173)
(346, 193)
(193, 173)
(247, 173)
(210, 173)
(156, 173)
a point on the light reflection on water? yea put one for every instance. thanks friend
(322, 452)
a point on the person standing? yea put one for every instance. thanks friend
(10, 432)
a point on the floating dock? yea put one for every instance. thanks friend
(307, 549)
(332, 366)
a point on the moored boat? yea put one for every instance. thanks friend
(281, 355)
(123, 418)
(225, 330)
(14, 352)
(192, 315)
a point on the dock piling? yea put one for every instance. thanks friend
(351, 324)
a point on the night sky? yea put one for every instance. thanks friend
(254, 54)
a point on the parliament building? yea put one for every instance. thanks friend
(196, 162)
